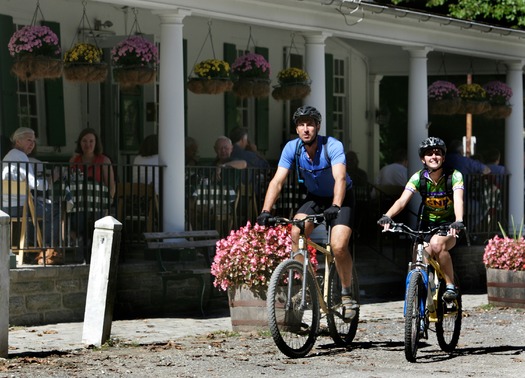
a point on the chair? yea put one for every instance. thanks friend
(137, 208)
(17, 189)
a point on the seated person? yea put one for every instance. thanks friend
(18, 167)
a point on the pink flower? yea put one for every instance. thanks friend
(498, 93)
(135, 51)
(505, 253)
(251, 65)
(34, 40)
(441, 90)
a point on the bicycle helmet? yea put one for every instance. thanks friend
(431, 143)
(307, 111)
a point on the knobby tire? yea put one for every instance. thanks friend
(341, 331)
(413, 315)
(448, 326)
(294, 330)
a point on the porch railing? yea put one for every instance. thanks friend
(223, 200)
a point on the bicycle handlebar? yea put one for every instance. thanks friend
(404, 229)
(315, 218)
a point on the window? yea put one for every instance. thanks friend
(30, 109)
(245, 108)
(339, 96)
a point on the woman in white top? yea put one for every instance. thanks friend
(17, 166)
(148, 155)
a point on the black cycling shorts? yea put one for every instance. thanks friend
(426, 225)
(317, 205)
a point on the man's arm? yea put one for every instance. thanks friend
(339, 173)
(274, 188)
(237, 164)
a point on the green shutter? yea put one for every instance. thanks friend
(262, 113)
(230, 102)
(329, 79)
(54, 103)
(8, 97)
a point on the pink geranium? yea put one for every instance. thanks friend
(251, 65)
(250, 255)
(505, 253)
(34, 40)
(135, 51)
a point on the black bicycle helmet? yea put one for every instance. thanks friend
(430, 143)
(307, 111)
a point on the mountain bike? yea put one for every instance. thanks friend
(297, 294)
(425, 285)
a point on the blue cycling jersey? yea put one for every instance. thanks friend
(316, 172)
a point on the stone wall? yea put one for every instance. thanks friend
(54, 294)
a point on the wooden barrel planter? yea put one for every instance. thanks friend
(247, 309)
(506, 288)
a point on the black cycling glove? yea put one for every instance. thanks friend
(458, 226)
(262, 219)
(385, 219)
(331, 212)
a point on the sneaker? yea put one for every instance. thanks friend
(450, 294)
(350, 307)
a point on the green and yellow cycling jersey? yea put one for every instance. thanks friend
(438, 205)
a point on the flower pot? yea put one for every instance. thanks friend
(199, 85)
(134, 75)
(291, 91)
(248, 308)
(498, 112)
(252, 87)
(86, 72)
(444, 107)
(506, 287)
(473, 107)
(33, 67)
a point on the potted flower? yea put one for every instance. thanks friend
(504, 258)
(36, 50)
(443, 98)
(294, 83)
(83, 64)
(473, 99)
(135, 59)
(498, 94)
(243, 264)
(212, 76)
(252, 76)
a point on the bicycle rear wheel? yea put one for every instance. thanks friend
(342, 331)
(448, 326)
(413, 318)
(294, 327)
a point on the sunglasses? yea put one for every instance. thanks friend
(436, 152)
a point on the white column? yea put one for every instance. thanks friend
(417, 109)
(171, 118)
(315, 59)
(5, 247)
(514, 141)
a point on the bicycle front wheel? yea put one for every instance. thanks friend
(341, 330)
(293, 318)
(414, 322)
(448, 326)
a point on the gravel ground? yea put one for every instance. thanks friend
(492, 343)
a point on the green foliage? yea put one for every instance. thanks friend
(509, 12)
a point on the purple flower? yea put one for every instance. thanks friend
(134, 51)
(442, 90)
(498, 93)
(34, 40)
(251, 65)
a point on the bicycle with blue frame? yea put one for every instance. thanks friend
(424, 303)
(298, 296)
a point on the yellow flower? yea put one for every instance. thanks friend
(83, 53)
(292, 75)
(474, 92)
(212, 68)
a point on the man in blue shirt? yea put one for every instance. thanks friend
(321, 164)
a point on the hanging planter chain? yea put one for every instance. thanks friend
(210, 37)
(35, 15)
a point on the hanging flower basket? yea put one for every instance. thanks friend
(82, 64)
(443, 98)
(252, 73)
(212, 77)
(294, 84)
(36, 50)
(473, 99)
(134, 60)
(498, 94)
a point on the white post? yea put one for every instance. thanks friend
(102, 281)
(5, 244)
